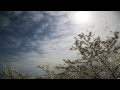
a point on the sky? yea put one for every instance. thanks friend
(31, 38)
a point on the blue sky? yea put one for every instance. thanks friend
(30, 38)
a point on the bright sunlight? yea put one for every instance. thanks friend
(81, 17)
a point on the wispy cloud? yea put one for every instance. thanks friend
(55, 13)
(35, 16)
(45, 37)
(15, 13)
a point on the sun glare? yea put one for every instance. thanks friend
(81, 17)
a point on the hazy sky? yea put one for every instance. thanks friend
(30, 38)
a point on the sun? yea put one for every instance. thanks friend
(81, 17)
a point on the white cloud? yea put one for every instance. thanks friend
(41, 28)
(15, 13)
(62, 20)
(55, 13)
(35, 16)
(56, 49)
